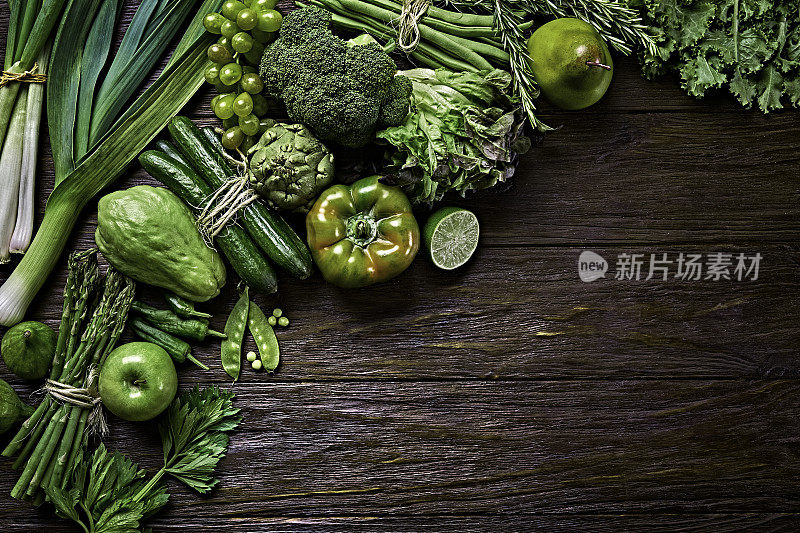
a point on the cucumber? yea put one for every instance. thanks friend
(243, 255)
(170, 149)
(272, 234)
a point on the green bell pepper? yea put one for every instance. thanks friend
(362, 234)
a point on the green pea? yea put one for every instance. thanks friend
(256, 365)
(277, 312)
(264, 335)
(231, 351)
(283, 321)
(251, 356)
(272, 321)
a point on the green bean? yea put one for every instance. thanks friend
(264, 335)
(489, 51)
(483, 26)
(231, 350)
(457, 17)
(426, 32)
(179, 350)
(435, 55)
(182, 307)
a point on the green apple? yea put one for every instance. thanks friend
(138, 381)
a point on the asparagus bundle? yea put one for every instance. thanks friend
(95, 311)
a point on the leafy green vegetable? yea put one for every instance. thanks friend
(194, 435)
(464, 132)
(749, 47)
(105, 494)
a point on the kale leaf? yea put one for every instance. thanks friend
(749, 47)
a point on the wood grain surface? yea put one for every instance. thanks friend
(509, 395)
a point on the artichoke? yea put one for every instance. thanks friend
(290, 167)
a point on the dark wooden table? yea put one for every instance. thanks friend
(511, 395)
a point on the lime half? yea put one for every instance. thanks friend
(451, 236)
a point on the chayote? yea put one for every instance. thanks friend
(147, 233)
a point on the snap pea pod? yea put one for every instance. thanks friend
(182, 307)
(231, 351)
(264, 335)
(190, 328)
(179, 350)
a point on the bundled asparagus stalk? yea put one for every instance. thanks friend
(95, 312)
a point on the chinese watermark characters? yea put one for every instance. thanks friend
(663, 266)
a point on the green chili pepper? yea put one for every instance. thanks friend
(179, 350)
(234, 329)
(264, 335)
(190, 328)
(182, 307)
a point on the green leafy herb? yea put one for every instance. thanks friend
(194, 435)
(749, 47)
(108, 493)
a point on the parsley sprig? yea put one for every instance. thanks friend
(108, 493)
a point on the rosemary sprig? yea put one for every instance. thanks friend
(619, 25)
(525, 88)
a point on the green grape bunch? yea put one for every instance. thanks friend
(244, 28)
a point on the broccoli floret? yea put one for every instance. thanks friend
(342, 90)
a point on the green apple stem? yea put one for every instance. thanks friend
(598, 64)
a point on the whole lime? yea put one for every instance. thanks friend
(28, 349)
